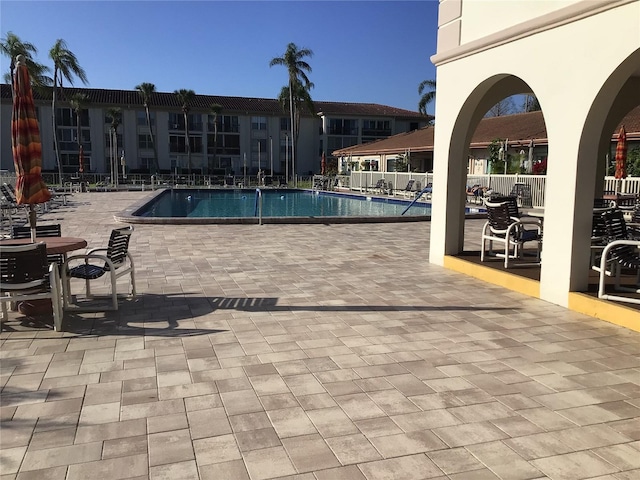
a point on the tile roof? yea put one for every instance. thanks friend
(168, 100)
(518, 128)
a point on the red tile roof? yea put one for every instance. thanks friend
(239, 105)
(519, 129)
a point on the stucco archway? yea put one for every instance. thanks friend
(482, 97)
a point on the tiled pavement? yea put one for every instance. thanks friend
(313, 352)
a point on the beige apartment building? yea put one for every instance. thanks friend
(252, 133)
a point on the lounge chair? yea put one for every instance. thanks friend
(379, 187)
(409, 189)
(475, 193)
(504, 228)
(117, 263)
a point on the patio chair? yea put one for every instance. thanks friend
(53, 230)
(25, 275)
(620, 253)
(509, 230)
(117, 263)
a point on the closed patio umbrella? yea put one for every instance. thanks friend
(26, 146)
(323, 165)
(621, 155)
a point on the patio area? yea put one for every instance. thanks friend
(312, 352)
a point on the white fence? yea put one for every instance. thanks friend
(503, 184)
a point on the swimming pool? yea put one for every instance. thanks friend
(278, 206)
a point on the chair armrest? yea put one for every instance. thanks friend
(99, 249)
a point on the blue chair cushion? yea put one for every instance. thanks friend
(528, 235)
(87, 271)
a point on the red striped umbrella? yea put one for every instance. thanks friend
(25, 143)
(621, 154)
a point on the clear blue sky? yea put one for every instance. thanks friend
(364, 51)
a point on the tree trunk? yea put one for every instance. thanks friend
(156, 162)
(56, 148)
(293, 134)
(187, 144)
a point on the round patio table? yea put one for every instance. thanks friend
(55, 245)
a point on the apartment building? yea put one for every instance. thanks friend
(251, 133)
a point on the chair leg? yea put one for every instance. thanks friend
(114, 292)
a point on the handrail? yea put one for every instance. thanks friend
(423, 191)
(258, 207)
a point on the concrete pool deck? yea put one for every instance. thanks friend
(312, 352)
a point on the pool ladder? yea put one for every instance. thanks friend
(258, 207)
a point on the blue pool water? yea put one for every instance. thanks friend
(241, 203)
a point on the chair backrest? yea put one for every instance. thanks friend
(409, 185)
(615, 225)
(602, 203)
(23, 267)
(499, 216)
(119, 246)
(22, 231)
(511, 201)
(7, 194)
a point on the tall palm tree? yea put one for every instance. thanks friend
(301, 100)
(297, 67)
(115, 115)
(79, 102)
(147, 90)
(186, 98)
(11, 46)
(216, 109)
(427, 96)
(65, 67)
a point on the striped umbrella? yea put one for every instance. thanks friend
(26, 146)
(621, 155)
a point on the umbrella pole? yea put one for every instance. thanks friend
(32, 221)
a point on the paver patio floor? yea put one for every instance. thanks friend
(312, 352)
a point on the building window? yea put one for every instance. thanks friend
(176, 121)
(285, 124)
(176, 144)
(195, 143)
(336, 143)
(144, 141)
(226, 124)
(141, 118)
(195, 122)
(376, 128)
(258, 123)
(343, 126)
(226, 145)
(66, 117)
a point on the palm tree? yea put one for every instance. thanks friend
(147, 90)
(186, 98)
(293, 60)
(426, 96)
(79, 102)
(115, 115)
(301, 99)
(65, 66)
(216, 109)
(11, 46)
